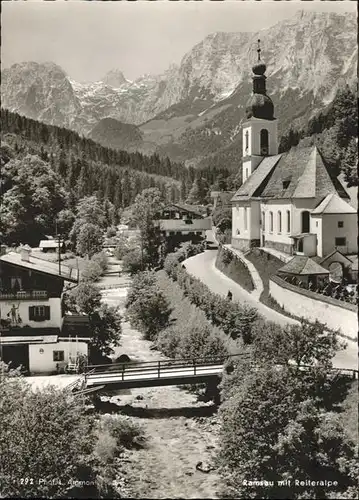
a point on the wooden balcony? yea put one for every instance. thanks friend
(25, 295)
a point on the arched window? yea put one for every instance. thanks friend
(305, 221)
(279, 222)
(288, 221)
(271, 222)
(263, 221)
(264, 141)
(247, 139)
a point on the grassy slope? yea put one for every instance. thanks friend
(235, 270)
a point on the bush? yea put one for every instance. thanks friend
(132, 261)
(190, 334)
(102, 260)
(91, 272)
(128, 434)
(234, 319)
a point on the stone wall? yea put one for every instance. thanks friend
(312, 306)
(281, 247)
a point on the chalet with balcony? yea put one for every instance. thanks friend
(184, 222)
(33, 327)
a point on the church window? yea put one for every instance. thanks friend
(264, 142)
(279, 222)
(247, 139)
(340, 242)
(263, 221)
(340, 223)
(245, 218)
(271, 222)
(288, 221)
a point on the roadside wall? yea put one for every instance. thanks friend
(304, 303)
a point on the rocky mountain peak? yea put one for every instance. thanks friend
(115, 78)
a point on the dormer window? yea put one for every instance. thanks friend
(286, 183)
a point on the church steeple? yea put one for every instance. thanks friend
(259, 104)
(260, 129)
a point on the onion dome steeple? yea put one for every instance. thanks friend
(259, 104)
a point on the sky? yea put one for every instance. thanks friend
(87, 39)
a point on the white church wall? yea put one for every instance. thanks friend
(255, 215)
(331, 231)
(276, 238)
(317, 229)
(299, 206)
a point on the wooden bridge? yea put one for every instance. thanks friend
(163, 373)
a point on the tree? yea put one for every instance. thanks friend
(86, 296)
(91, 272)
(276, 424)
(32, 198)
(144, 212)
(65, 220)
(350, 163)
(272, 431)
(89, 240)
(305, 344)
(105, 323)
(46, 441)
(147, 307)
(194, 194)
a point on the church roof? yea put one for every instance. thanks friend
(302, 265)
(299, 173)
(258, 178)
(333, 204)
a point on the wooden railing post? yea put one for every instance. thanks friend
(123, 371)
(194, 367)
(159, 368)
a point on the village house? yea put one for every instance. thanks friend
(288, 202)
(34, 331)
(51, 245)
(184, 222)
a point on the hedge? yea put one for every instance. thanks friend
(234, 319)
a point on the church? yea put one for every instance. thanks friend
(289, 202)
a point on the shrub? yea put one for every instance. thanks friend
(150, 312)
(128, 434)
(91, 272)
(102, 260)
(190, 334)
(133, 261)
(111, 232)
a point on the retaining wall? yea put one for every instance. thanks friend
(312, 306)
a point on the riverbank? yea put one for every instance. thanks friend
(181, 430)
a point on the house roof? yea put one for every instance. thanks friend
(40, 265)
(320, 260)
(333, 204)
(186, 208)
(180, 225)
(304, 170)
(36, 339)
(354, 259)
(48, 244)
(29, 332)
(302, 265)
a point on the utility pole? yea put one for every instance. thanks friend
(58, 236)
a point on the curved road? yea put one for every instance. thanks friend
(202, 266)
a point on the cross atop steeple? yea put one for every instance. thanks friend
(259, 50)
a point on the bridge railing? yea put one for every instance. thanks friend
(151, 365)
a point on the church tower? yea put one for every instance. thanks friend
(260, 129)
